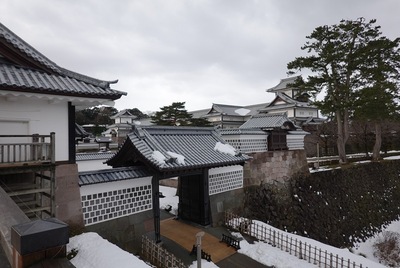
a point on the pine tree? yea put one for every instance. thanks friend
(339, 56)
(172, 115)
(176, 115)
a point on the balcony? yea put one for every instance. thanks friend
(27, 150)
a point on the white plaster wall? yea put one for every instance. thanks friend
(304, 112)
(112, 186)
(213, 171)
(37, 116)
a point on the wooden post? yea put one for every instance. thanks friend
(156, 207)
(53, 147)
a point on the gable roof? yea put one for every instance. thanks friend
(160, 148)
(288, 102)
(235, 110)
(80, 132)
(283, 84)
(24, 69)
(269, 121)
(124, 113)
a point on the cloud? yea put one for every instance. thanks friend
(201, 52)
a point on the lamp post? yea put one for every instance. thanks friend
(199, 235)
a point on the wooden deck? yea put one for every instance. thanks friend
(185, 235)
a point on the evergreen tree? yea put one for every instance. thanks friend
(176, 115)
(378, 100)
(136, 112)
(339, 56)
(173, 115)
(200, 122)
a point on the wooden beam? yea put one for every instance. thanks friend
(32, 210)
(30, 191)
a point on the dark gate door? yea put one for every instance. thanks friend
(194, 199)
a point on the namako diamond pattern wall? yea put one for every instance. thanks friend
(107, 201)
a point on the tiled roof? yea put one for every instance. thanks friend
(237, 131)
(289, 103)
(195, 144)
(80, 131)
(110, 175)
(94, 156)
(123, 113)
(23, 79)
(283, 84)
(25, 48)
(266, 121)
(227, 109)
(47, 77)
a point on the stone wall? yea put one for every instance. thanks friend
(337, 207)
(274, 167)
(126, 232)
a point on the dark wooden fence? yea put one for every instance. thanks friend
(281, 240)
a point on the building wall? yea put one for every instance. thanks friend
(119, 211)
(274, 167)
(226, 201)
(306, 112)
(248, 143)
(225, 190)
(68, 206)
(27, 116)
(289, 111)
(125, 232)
(106, 201)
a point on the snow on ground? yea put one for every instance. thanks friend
(94, 251)
(271, 256)
(367, 248)
(204, 264)
(325, 168)
(170, 199)
(395, 157)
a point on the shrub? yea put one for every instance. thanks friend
(387, 249)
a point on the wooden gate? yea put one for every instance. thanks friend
(194, 201)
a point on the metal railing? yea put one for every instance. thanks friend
(27, 149)
(284, 242)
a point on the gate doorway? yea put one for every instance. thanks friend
(194, 201)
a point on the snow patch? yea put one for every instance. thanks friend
(242, 111)
(95, 251)
(159, 157)
(179, 158)
(225, 148)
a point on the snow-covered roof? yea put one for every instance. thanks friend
(174, 148)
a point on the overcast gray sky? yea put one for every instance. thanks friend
(200, 52)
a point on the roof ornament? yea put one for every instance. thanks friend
(139, 131)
